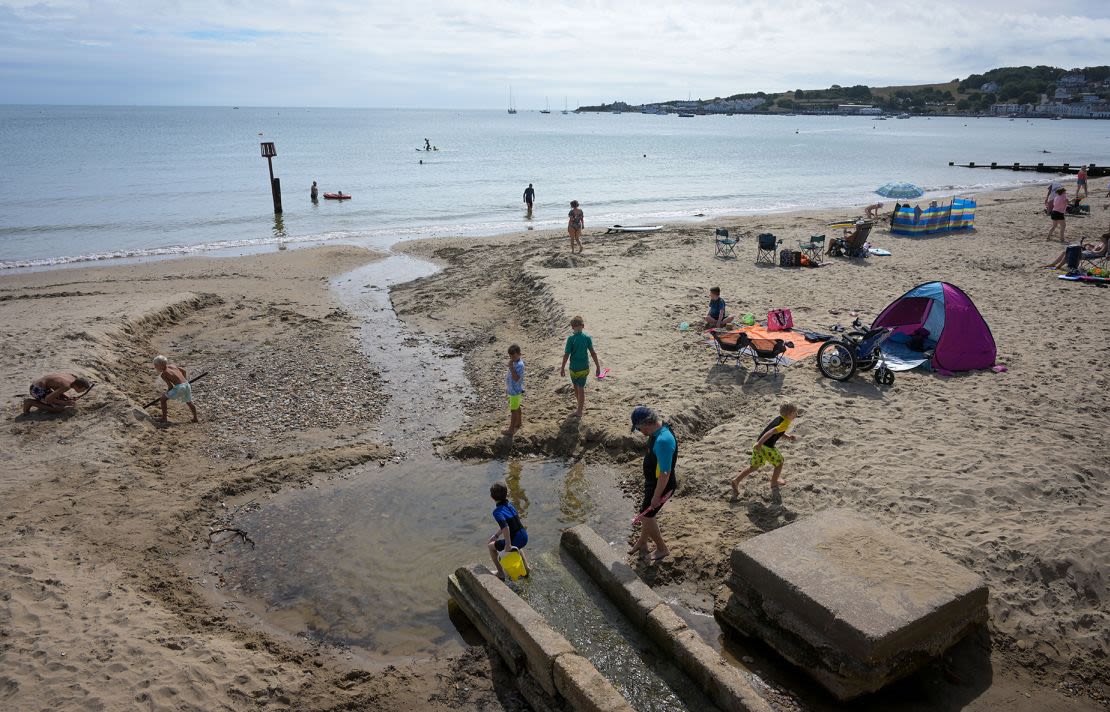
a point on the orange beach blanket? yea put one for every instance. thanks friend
(799, 351)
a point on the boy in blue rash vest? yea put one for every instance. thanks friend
(659, 479)
(764, 450)
(514, 386)
(579, 350)
(716, 317)
(511, 528)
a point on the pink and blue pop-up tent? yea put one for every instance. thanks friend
(958, 335)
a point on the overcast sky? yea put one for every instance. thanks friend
(467, 53)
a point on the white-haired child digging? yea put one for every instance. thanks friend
(178, 381)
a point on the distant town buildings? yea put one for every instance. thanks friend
(866, 109)
(1073, 97)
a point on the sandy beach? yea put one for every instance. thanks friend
(1004, 472)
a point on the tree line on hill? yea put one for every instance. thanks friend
(975, 94)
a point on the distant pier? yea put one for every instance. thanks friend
(1093, 171)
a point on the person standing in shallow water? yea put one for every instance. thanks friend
(529, 198)
(576, 222)
(314, 194)
(659, 479)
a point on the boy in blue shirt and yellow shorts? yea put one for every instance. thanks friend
(578, 351)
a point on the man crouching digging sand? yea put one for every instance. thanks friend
(178, 381)
(49, 392)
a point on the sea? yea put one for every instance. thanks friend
(81, 184)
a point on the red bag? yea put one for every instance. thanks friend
(779, 320)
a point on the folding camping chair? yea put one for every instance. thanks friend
(763, 352)
(852, 245)
(725, 245)
(813, 249)
(767, 249)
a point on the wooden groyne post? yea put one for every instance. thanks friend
(268, 152)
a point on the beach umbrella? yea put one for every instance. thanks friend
(900, 190)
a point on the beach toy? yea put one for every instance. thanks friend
(513, 563)
(638, 517)
(684, 326)
(748, 319)
(603, 374)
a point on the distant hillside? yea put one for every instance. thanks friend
(975, 94)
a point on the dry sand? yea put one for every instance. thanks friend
(1006, 473)
(100, 506)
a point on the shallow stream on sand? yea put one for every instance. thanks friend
(362, 559)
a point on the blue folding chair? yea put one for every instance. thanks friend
(725, 245)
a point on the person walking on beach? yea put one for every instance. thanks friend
(579, 350)
(576, 222)
(314, 194)
(1081, 181)
(764, 451)
(49, 392)
(529, 198)
(514, 386)
(511, 534)
(1052, 188)
(660, 481)
(178, 381)
(1057, 212)
(716, 318)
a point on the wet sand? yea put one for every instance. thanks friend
(1005, 472)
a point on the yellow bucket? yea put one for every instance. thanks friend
(513, 563)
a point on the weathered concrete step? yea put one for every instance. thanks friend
(855, 605)
(723, 683)
(550, 674)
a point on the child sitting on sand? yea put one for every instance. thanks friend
(178, 381)
(579, 350)
(716, 317)
(765, 451)
(511, 530)
(514, 386)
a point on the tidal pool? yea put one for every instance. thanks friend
(363, 561)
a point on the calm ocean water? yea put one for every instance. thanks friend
(81, 183)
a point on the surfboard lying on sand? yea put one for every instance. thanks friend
(634, 228)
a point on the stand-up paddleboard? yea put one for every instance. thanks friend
(337, 196)
(634, 228)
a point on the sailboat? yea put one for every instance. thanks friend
(512, 109)
(565, 112)
(548, 109)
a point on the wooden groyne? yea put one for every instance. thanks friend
(1093, 171)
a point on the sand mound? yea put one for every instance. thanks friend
(566, 262)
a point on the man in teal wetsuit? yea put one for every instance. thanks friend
(659, 479)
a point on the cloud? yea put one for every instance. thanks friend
(465, 54)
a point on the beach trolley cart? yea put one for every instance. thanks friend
(840, 358)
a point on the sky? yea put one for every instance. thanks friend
(466, 54)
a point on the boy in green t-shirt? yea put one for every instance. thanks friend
(579, 350)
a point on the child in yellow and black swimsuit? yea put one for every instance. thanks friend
(765, 452)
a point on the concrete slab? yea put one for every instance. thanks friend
(843, 597)
(723, 683)
(541, 643)
(580, 684)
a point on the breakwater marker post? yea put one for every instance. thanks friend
(268, 152)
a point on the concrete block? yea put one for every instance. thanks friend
(609, 571)
(663, 626)
(488, 625)
(854, 604)
(580, 684)
(540, 643)
(723, 683)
